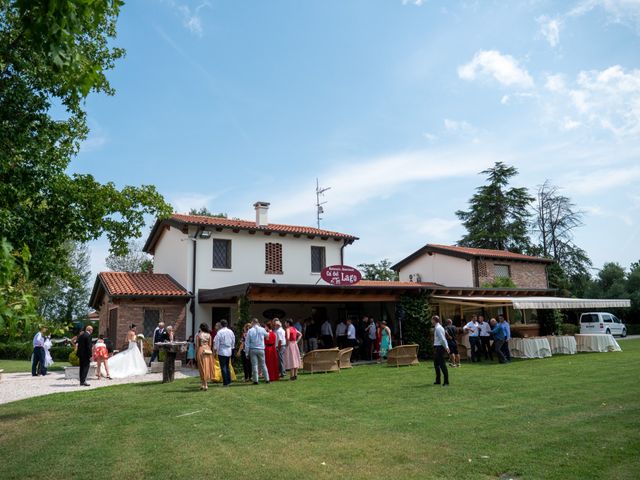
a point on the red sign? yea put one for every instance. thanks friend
(340, 275)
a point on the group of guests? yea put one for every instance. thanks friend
(485, 338)
(370, 339)
(268, 350)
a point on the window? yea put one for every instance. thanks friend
(112, 329)
(589, 318)
(150, 322)
(318, 259)
(607, 318)
(501, 271)
(221, 253)
(273, 258)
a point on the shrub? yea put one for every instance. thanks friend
(16, 350)
(73, 359)
(415, 315)
(60, 353)
(569, 329)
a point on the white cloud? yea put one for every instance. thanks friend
(430, 136)
(182, 203)
(555, 83)
(550, 29)
(458, 126)
(602, 179)
(618, 11)
(417, 3)
(598, 211)
(191, 17)
(503, 68)
(570, 124)
(436, 228)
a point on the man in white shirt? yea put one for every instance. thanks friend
(351, 336)
(371, 334)
(326, 334)
(255, 344)
(281, 345)
(341, 334)
(223, 343)
(39, 355)
(440, 346)
(485, 339)
(474, 337)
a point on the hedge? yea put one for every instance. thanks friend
(23, 351)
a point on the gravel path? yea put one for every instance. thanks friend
(18, 386)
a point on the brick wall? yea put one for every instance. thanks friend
(523, 274)
(173, 312)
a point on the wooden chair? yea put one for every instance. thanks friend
(323, 360)
(345, 358)
(403, 355)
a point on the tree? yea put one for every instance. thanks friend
(56, 53)
(378, 271)
(498, 216)
(135, 260)
(18, 316)
(555, 219)
(204, 211)
(66, 298)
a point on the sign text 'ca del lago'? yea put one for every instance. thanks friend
(340, 275)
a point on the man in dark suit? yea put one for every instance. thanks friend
(159, 335)
(84, 354)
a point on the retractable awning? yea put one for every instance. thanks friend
(530, 303)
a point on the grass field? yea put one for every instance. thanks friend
(563, 417)
(15, 366)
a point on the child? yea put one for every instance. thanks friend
(191, 353)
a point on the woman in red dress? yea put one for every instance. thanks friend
(271, 354)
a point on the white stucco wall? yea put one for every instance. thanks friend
(173, 256)
(443, 269)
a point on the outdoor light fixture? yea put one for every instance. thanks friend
(205, 234)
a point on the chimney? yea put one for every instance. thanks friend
(262, 213)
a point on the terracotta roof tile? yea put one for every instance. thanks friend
(488, 253)
(145, 284)
(249, 225)
(383, 283)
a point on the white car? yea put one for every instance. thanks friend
(602, 322)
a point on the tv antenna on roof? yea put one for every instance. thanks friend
(319, 204)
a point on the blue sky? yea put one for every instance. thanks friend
(396, 105)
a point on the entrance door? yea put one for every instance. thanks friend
(220, 313)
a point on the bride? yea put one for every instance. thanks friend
(129, 362)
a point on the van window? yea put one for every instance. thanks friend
(589, 318)
(615, 319)
(607, 318)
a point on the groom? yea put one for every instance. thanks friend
(84, 354)
(159, 335)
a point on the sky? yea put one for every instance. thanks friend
(397, 105)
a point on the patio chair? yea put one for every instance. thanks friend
(323, 360)
(403, 355)
(345, 357)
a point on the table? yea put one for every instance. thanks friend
(596, 342)
(171, 349)
(534, 347)
(562, 344)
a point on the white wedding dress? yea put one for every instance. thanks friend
(128, 363)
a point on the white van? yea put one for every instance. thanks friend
(602, 322)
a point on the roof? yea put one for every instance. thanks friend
(530, 303)
(469, 253)
(179, 220)
(384, 283)
(126, 284)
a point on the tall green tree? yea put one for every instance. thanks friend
(498, 215)
(66, 298)
(378, 271)
(205, 212)
(53, 53)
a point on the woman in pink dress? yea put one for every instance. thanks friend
(271, 354)
(292, 352)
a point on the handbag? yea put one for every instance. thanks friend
(207, 351)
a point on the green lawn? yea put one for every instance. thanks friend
(15, 366)
(557, 418)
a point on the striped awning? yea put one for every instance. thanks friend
(530, 303)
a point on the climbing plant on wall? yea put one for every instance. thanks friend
(416, 322)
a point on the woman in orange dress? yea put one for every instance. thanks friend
(204, 349)
(101, 357)
(292, 352)
(271, 354)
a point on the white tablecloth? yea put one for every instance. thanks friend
(597, 343)
(537, 347)
(562, 344)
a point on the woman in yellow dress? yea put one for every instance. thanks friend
(204, 349)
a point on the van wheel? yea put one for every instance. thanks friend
(624, 332)
(608, 332)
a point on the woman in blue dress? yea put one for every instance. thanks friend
(385, 343)
(191, 353)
